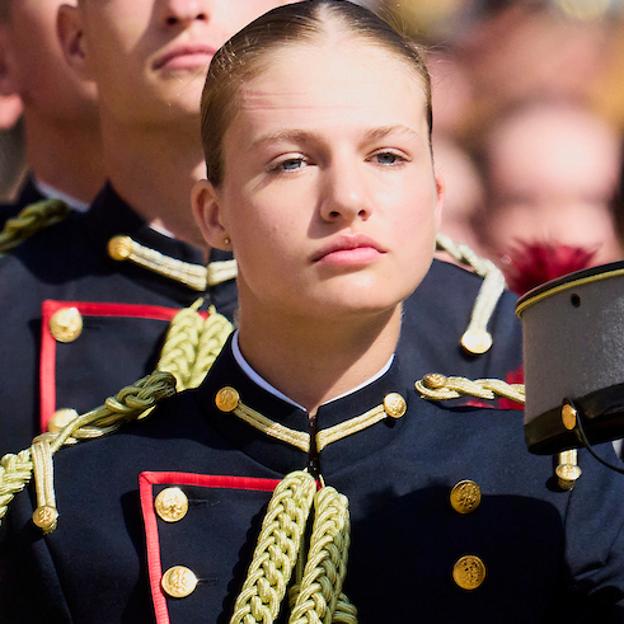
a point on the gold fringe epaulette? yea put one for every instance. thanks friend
(196, 276)
(30, 220)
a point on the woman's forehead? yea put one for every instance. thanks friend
(311, 84)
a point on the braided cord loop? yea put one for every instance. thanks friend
(326, 566)
(192, 344)
(15, 474)
(180, 347)
(127, 405)
(214, 332)
(31, 220)
(276, 551)
(437, 387)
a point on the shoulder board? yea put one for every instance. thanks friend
(31, 220)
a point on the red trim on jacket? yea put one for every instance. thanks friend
(47, 362)
(147, 480)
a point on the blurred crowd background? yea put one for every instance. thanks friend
(528, 125)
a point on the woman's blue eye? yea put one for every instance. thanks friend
(292, 164)
(387, 158)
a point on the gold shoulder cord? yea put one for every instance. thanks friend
(316, 595)
(31, 220)
(127, 405)
(196, 276)
(438, 387)
(477, 339)
(192, 344)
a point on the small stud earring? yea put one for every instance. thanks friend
(226, 240)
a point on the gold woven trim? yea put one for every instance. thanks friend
(301, 440)
(195, 276)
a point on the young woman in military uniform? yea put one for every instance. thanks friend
(321, 181)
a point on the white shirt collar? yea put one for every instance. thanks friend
(265, 385)
(50, 192)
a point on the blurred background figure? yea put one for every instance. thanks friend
(61, 130)
(552, 171)
(463, 192)
(533, 91)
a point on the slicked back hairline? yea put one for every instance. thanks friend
(247, 51)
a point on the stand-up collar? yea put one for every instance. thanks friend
(29, 193)
(110, 216)
(280, 456)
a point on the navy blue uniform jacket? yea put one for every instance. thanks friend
(125, 311)
(551, 556)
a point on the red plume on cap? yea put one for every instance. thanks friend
(531, 264)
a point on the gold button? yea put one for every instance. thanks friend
(568, 416)
(227, 399)
(469, 572)
(61, 418)
(434, 381)
(179, 582)
(120, 247)
(465, 496)
(171, 504)
(476, 341)
(567, 475)
(66, 324)
(394, 405)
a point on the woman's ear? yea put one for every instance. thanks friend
(70, 31)
(439, 184)
(207, 212)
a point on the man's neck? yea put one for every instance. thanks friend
(315, 362)
(154, 169)
(67, 157)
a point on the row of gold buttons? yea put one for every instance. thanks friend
(469, 571)
(171, 505)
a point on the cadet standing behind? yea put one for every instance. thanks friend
(62, 135)
(84, 316)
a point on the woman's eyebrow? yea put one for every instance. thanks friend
(384, 131)
(295, 135)
(291, 135)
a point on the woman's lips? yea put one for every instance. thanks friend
(357, 250)
(185, 57)
(358, 256)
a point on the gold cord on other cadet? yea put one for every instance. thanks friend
(31, 220)
(195, 276)
(127, 405)
(192, 344)
(477, 339)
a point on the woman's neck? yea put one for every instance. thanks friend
(313, 362)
